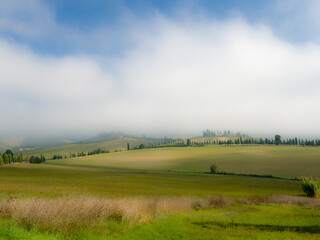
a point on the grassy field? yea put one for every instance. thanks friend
(48, 180)
(143, 174)
(275, 160)
(118, 144)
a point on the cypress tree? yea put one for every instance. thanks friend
(6, 159)
(1, 161)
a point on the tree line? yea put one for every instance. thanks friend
(277, 140)
(256, 141)
(36, 159)
(219, 133)
(81, 154)
(8, 157)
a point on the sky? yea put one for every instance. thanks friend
(81, 67)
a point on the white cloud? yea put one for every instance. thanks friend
(40, 93)
(180, 76)
(30, 18)
(224, 75)
(296, 19)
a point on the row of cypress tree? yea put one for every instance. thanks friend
(9, 157)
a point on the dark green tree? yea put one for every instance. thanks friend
(214, 168)
(6, 159)
(36, 159)
(141, 146)
(277, 139)
(1, 160)
(128, 146)
(188, 142)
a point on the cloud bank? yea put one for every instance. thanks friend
(177, 77)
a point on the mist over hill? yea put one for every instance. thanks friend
(104, 137)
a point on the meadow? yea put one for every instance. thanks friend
(281, 161)
(162, 193)
(50, 180)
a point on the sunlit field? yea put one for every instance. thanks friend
(48, 180)
(278, 161)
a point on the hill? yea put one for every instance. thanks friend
(110, 145)
(282, 161)
(105, 137)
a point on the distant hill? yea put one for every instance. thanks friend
(104, 137)
(36, 145)
(105, 141)
(20, 144)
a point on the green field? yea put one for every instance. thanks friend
(65, 150)
(274, 160)
(24, 180)
(144, 174)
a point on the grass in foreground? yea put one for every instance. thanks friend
(167, 218)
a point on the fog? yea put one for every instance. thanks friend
(178, 77)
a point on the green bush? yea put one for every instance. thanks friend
(311, 187)
(36, 159)
(214, 168)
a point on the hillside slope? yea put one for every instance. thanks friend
(288, 161)
(112, 145)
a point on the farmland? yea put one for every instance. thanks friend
(168, 190)
(24, 180)
(284, 161)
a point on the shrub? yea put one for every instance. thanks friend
(311, 187)
(214, 168)
(36, 159)
(219, 202)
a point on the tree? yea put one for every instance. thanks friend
(214, 168)
(36, 159)
(43, 159)
(128, 146)
(141, 146)
(6, 159)
(188, 142)
(1, 160)
(277, 139)
(10, 156)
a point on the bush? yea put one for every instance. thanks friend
(214, 168)
(36, 159)
(311, 187)
(220, 201)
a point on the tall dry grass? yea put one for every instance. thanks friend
(67, 214)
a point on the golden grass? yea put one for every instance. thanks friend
(64, 215)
